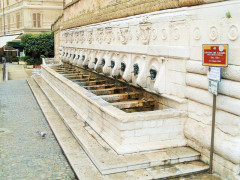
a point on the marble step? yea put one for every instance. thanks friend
(104, 158)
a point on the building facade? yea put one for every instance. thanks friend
(28, 16)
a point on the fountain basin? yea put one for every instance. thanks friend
(124, 132)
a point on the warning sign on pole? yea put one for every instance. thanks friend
(215, 55)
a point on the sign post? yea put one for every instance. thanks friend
(212, 135)
(215, 56)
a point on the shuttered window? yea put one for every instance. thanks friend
(0, 23)
(18, 20)
(37, 20)
(8, 22)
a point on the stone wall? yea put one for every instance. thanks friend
(49, 11)
(78, 13)
(171, 41)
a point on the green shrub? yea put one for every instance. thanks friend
(14, 59)
(24, 58)
(30, 61)
(38, 61)
(37, 45)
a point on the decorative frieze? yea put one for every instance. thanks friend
(109, 36)
(144, 33)
(124, 35)
(233, 32)
(81, 37)
(99, 35)
(197, 33)
(164, 34)
(213, 35)
(76, 36)
(90, 36)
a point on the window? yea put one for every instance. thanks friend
(8, 22)
(18, 20)
(7, 2)
(37, 20)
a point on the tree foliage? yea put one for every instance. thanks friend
(37, 45)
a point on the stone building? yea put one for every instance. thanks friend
(163, 40)
(24, 16)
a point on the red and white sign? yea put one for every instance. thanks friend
(215, 55)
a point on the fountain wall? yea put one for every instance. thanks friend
(170, 42)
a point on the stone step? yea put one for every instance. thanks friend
(72, 75)
(96, 82)
(82, 80)
(134, 104)
(114, 90)
(79, 161)
(96, 87)
(65, 71)
(106, 159)
(119, 97)
(81, 76)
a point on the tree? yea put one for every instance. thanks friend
(37, 45)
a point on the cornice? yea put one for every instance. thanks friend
(70, 4)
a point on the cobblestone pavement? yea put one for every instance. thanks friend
(23, 153)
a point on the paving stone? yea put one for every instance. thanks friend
(164, 172)
(191, 166)
(158, 158)
(183, 152)
(23, 153)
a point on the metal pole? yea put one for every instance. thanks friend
(4, 70)
(212, 135)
